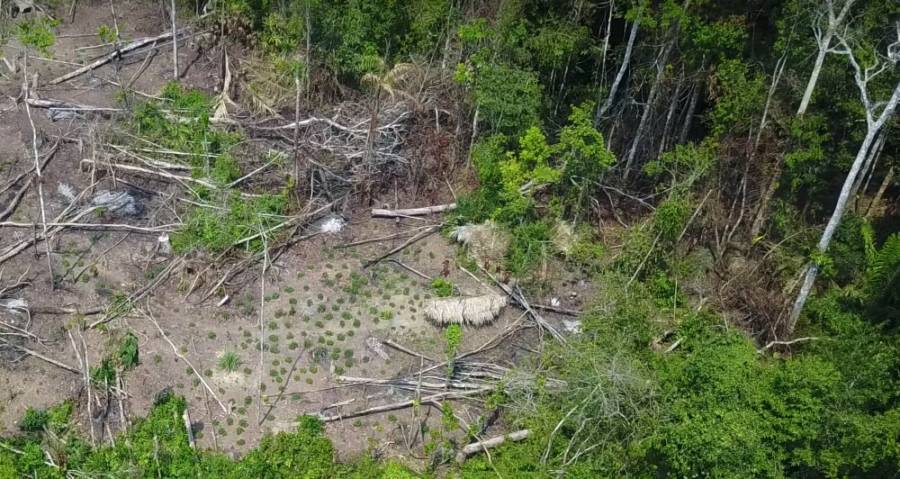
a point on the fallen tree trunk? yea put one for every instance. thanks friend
(398, 405)
(480, 446)
(139, 43)
(53, 104)
(427, 210)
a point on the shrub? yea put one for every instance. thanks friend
(305, 454)
(216, 230)
(34, 420)
(128, 351)
(230, 361)
(442, 288)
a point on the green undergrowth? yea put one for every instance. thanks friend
(37, 33)
(157, 447)
(218, 228)
(225, 217)
(536, 187)
(660, 392)
(180, 122)
(442, 288)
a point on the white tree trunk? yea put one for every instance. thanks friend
(814, 76)
(648, 108)
(689, 115)
(672, 107)
(873, 128)
(427, 210)
(823, 41)
(621, 73)
(612, 9)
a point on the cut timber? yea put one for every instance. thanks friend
(186, 417)
(475, 310)
(139, 43)
(62, 105)
(400, 405)
(427, 210)
(480, 446)
(147, 172)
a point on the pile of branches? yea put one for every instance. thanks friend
(351, 147)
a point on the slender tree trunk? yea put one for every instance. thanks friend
(370, 146)
(760, 218)
(672, 107)
(878, 195)
(868, 168)
(174, 44)
(689, 116)
(307, 85)
(814, 76)
(873, 128)
(626, 60)
(763, 207)
(648, 108)
(576, 17)
(612, 9)
(823, 42)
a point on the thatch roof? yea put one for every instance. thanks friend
(486, 242)
(474, 310)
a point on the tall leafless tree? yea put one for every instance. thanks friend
(833, 20)
(626, 61)
(875, 121)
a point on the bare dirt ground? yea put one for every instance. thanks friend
(294, 331)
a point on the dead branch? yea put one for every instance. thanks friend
(13, 250)
(519, 298)
(41, 357)
(59, 105)
(433, 383)
(300, 219)
(162, 333)
(557, 309)
(786, 343)
(97, 226)
(409, 268)
(643, 261)
(14, 202)
(424, 234)
(115, 312)
(403, 349)
(483, 446)
(37, 172)
(281, 390)
(152, 173)
(54, 310)
(427, 210)
(401, 234)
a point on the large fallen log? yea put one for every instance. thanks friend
(53, 104)
(480, 446)
(399, 405)
(139, 43)
(427, 210)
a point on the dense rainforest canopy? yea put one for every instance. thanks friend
(725, 173)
